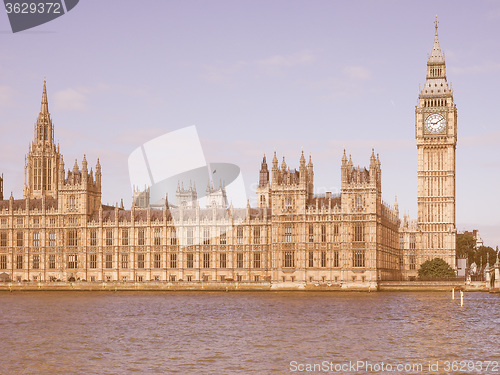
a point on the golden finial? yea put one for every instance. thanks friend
(436, 23)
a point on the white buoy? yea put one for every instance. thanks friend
(453, 293)
(461, 298)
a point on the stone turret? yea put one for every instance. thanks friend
(264, 185)
(275, 169)
(264, 173)
(310, 178)
(79, 191)
(186, 197)
(216, 198)
(361, 187)
(98, 172)
(302, 168)
(290, 189)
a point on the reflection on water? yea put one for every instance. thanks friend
(227, 333)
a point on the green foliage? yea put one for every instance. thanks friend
(485, 254)
(466, 247)
(436, 267)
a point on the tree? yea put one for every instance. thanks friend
(436, 267)
(466, 247)
(485, 254)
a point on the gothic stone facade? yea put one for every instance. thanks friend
(62, 231)
(434, 233)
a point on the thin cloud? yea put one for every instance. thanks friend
(487, 67)
(487, 139)
(71, 99)
(254, 150)
(357, 72)
(135, 137)
(275, 64)
(493, 15)
(348, 81)
(281, 61)
(6, 93)
(221, 73)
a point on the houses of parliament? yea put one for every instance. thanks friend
(61, 231)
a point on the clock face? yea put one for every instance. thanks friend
(435, 123)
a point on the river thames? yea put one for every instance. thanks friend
(247, 333)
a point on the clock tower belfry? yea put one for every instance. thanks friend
(436, 135)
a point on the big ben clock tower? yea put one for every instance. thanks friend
(436, 135)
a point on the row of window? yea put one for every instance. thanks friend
(20, 239)
(411, 244)
(288, 236)
(42, 174)
(71, 221)
(287, 262)
(72, 237)
(205, 278)
(358, 235)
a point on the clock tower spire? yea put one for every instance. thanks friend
(436, 135)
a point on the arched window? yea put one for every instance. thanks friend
(72, 203)
(358, 204)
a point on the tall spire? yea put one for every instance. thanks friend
(45, 103)
(436, 56)
(435, 80)
(43, 157)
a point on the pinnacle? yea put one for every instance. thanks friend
(275, 159)
(302, 158)
(436, 56)
(45, 105)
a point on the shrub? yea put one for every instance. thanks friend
(436, 267)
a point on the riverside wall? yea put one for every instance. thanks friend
(384, 286)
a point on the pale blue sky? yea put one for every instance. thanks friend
(254, 77)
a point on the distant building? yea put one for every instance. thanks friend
(475, 234)
(462, 267)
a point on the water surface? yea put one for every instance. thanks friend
(241, 332)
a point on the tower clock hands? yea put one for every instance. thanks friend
(435, 125)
